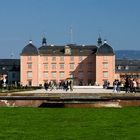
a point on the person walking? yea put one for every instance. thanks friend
(71, 85)
(115, 86)
(118, 86)
(67, 85)
(127, 85)
(134, 86)
(46, 86)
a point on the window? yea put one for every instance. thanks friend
(29, 58)
(61, 65)
(53, 74)
(90, 59)
(61, 58)
(126, 67)
(3, 68)
(45, 74)
(45, 66)
(71, 58)
(105, 58)
(80, 58)
(105, 65)
(46, 58)
(62, 74)
(90, 65)
(54, 66)
(71, 65)
(53, 58)
(29, 65)
(90, 74)
(80, 66)
(105, 74)
(119, 67)
(29, 74)
(80, 75)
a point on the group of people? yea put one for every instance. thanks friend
(64, 85)
(130, 85)
(116, 85)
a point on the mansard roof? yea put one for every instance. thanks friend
(30, 49)
(75, 49)
(45, 49)
(9, 62)
(105, 49)
(15, 68)
(127, 65)
(130, 62)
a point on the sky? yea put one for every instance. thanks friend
(117, 21)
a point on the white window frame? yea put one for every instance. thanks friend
(29, 74)
(105, 74)
(71, 65)
(62, 65)
(53, 65)
(45, 66)
(45, 74)
(61, 58)
(105, 65)
(46, 58)
(53, 74)
(71, 58)
(29, 65)
(53, 58)
(62, 74)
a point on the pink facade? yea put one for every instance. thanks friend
(81, 63)
(105, 69)
(29, 74)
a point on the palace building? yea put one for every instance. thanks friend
(127, 68)
(84, 64)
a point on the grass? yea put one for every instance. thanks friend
(70, 123)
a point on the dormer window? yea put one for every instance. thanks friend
(54, 51)
(53, 58)
(126, 67)
(67, 50)
(3, 68)
(119, 67)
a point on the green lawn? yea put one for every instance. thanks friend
(70, 123)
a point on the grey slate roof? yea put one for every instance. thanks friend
(45, 49)
(30, 49)
(75, 50)
(15, 68)
(105, 49)
(7, 64)
(127, 65)
(124, 62)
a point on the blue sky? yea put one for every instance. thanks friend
(118, 21)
